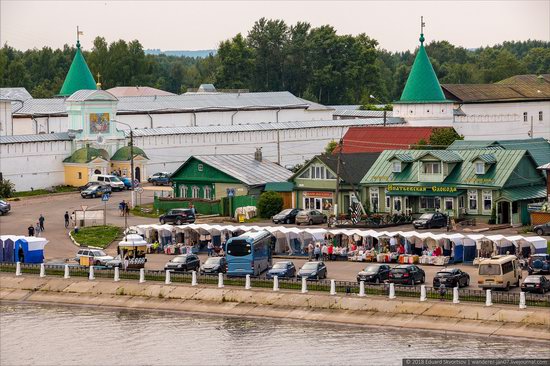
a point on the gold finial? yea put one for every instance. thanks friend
(98, 84)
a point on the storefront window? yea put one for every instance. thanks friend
(327, 204)
(374, 199)
(397, 204)
(472, 200)
(318, 203)
(388, 201)
(431, 168)
(487, 200)
(430, 203)
(448, 203)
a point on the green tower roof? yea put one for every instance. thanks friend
(123, 154)
(422, 85)
(79, 76)
(86, 154)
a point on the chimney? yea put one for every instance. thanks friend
(258, 154)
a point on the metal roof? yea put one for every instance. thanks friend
(247, 169)
(136, 91)
(262, 126)
(361, 113)
(445, 156)
(47, 106)
(376, 138)
(19, 94)
(486, 158)
(524, 193)
(90, 94)
(19, 139)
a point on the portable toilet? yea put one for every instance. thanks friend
(30, 249)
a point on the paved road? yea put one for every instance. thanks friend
(60, 247)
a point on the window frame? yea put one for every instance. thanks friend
(472, 193)
(480, 164)
(195, 192)
(396, 166)
(487, 193)
(447, 200)
(387, 207)
(431, 164)
(541, 116)
(374, 192)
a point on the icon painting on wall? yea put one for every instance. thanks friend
(99, 122)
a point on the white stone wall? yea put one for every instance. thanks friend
(5, 118)
(36, 165)
(436, 114)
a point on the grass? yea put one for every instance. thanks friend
(40, 192)
(146, 211)
(97, 236)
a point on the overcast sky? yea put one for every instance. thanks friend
(193, 25)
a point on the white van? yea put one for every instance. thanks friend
(499, 271)
(112, 180)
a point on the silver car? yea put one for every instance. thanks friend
(97, 256)
(310, 217)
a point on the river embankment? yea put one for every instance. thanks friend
(496, 320)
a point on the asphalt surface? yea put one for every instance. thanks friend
(60, 247)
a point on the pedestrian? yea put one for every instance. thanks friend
(193, 209)
(127, 209)
(330, 252)
(324, 251)
(210, 248)
(317, 251)
(393, 244)
(122, 207)
(310, 251)
(41, 222)
(31, 230)
(37, 229)
(66, 219)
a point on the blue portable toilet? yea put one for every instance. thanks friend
(30, 249)
(7, 243)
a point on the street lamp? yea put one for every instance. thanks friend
(131, 159)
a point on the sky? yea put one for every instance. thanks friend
(195, 25)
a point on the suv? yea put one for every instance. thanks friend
(97, 190)
(161, 179)
(430, 220)
(183, 263)
(98, 257)
(178, 216)
(407, 274)
(156, 175)
(539, 263)
(112, 180)
(4, 207)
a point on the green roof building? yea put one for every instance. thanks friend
(124, 154)
(87, 154)
(79, 76)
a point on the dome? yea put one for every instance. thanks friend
(86, 154)
(123, 154)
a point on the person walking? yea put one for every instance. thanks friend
(37, 229)
(317, 252)
(41, 222)
(210, 248)
(310, 251)
(66, 219)
(324, 251)
(122, 207)
(31, 230)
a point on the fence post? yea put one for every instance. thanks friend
(275, 283)
(66, 274)
(392, 291)
(423, 296)
(18, 269)
(194, 278)
(220, 280)
(522, 303)
(142, 275)
(455, 295)
(332, 287)
(91, 276)
(247, 283)
(304, 285)
(488, 300)
(167, 281)
(362, 289)
(117, 274)
(42, 270)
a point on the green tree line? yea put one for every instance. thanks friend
(315, 63)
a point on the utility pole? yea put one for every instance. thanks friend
(278, 148)
(531, 130)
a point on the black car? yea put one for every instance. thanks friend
(542, 229)
(287, 216)
(374, 273)
(183, 263)
(313, 271)
(451, 277)
(539, 263)
(96, 191)
(538, 284)
(88, 185)
(284, 269)
(407, 274)
(430, 220)
(214, 265)
(178, 216)
(4, 207)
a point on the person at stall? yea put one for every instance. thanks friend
(310, 251)
(317, 251)
(210, 248)
(437, 251)
(330, 251)
(155, 247)
(324, 251)
(393, 243)
(400, 249)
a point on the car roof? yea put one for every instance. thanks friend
(448, 270)
(404, 266)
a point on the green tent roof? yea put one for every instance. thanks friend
(79, 76)
(123, 154)
(422, 85)
(86, 154)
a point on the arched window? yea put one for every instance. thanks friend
(183, 191)
(207, 192)
(195, 191)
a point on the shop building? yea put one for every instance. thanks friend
(474, 183)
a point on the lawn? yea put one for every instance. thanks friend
(97, 236)
(39, 192)
(147, 211)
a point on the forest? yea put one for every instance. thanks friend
(317, 64)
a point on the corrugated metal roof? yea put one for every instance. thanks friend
(377, 139)
(406, 158)
(14, 94)
(19, 139)
(445, 156)
(247, 169)
(361, 113)
(45, 106)
(524, 193)
(487, 158)
(261, 126)
(136, 91)
(343, 107)
(90, 94)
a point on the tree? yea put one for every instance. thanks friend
(7, 188)
(330, 147)
(440, 139)
(236, 64)
(269, 204)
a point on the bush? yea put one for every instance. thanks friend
(7, 188)
(269, 204)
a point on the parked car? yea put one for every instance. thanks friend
(313, 271)
(127, 182)
(88, 185)
(374, 273)
(287, 216)
(451, 277)
(4, 207)
(97, 256)
(112, 180)
(156, 175)
(407, 274)
(539, 263)
(536, 283)
(161, 180)
(183, 263)
(178, 216)
(284, 269)
(214, 265)
(96, 191)
(310, 217)
(430, 220)
(542, 229)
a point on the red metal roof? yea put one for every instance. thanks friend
(378, 139)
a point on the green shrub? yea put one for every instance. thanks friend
(269, 204)
(7, 188)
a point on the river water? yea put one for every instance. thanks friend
(61, 335)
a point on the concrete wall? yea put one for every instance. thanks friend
(5, 118)
(436, 114)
